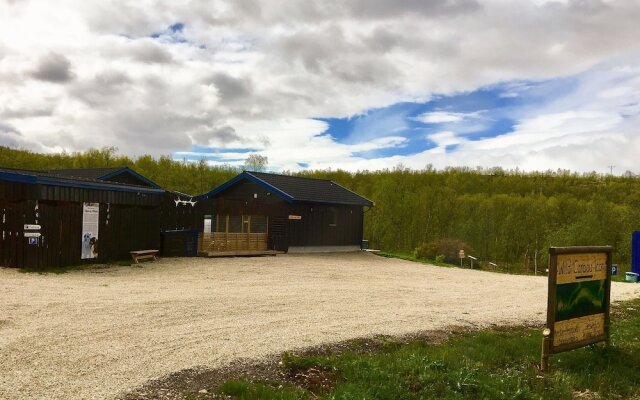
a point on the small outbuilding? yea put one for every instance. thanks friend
(262, 213)
(64, 217)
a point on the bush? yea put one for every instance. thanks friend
(443, 250)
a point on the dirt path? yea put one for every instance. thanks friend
(95, 334)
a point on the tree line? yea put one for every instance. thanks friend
(507, 217)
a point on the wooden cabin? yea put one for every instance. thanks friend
(57, 218)
(262, 213)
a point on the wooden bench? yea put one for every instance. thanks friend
(143, 254)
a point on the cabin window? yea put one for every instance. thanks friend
(258, 224)
(333, 216)
(235, 224)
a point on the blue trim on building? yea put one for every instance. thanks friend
(42, 180)
(251, 178)
(132, 172)
(13, 177)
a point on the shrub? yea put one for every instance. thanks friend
(443, 250)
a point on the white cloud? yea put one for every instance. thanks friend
(438, 117)
(441, 117)
(243, 73)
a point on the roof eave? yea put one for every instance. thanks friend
(132, 172)
(362, 204)
(41, 180)
(252, 178)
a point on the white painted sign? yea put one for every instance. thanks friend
(32, 234)
(29, 227)
(90, 223)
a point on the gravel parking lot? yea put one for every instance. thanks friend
(95, 334)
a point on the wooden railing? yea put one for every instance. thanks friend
(221, 241)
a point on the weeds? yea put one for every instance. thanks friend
(494, 364)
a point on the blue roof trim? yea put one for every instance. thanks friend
(132, 172)
(8, 176)
(286, 196)
(246, 175)
(41, 180)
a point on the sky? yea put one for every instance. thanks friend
(349, 84)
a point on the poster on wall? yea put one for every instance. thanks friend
(90, 223)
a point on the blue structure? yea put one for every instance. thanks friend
(635, 252)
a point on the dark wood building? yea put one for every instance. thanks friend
(259, 212)
(66, 217)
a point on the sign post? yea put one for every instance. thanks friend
(578, 299)
(461, 255)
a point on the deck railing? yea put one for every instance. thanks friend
(222, 241)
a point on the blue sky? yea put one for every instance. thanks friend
(477, 115)
(532, 84)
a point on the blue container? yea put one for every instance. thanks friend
(635, 252)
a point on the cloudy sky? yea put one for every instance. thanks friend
(353, 84)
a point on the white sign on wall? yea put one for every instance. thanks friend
(90, 224)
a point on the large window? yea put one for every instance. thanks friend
(236, 223)
(258, 224)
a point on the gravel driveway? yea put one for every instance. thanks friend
(95, 334)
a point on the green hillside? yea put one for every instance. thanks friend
(508, 217)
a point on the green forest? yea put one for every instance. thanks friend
(510, 218)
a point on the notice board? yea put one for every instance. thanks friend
(578, 298)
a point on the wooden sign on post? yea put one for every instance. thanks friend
(578, 299)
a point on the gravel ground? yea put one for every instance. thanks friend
(99, 333)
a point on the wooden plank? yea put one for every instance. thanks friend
(231, 242)
(239, 253)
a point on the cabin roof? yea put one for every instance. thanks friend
(296, 189)
(56, 179)
(102, 174)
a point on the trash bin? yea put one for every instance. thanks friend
(364, 245)
(179, 243)
(631, 277)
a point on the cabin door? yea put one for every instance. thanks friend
(278, 234)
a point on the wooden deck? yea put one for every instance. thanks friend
(239, 253)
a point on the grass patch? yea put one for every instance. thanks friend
(493, 364)
(242, 389)
(409, 256)
(479, 265)
(515, 269)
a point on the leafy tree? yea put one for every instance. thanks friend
(506, 216)
(256, 163)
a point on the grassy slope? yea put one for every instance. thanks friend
(405, 255)
(495, 364)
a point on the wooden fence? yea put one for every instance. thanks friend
(231, 242)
